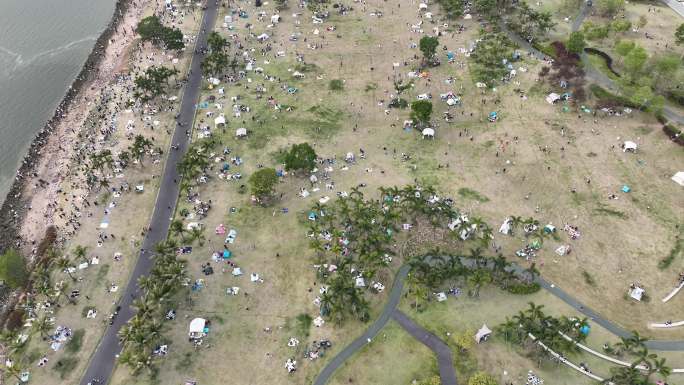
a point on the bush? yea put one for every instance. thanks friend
(13, 269)
(546, 49)
(398, 103)
(300, 157)
(336, 85)
(65, 366)
(15, 320)
(523, 288)
(304, 324)
(606, 98)
(482, 378)
(263, 182)
(76, 341)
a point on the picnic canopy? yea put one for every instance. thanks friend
(679, 178)
(552, 98)
(220, 120)
(197, 327)
(241, 132)
(629, 146)
(428, 133)
(482, 334)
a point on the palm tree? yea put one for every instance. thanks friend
(478, 278)
(15, 370)
(531, 272)
(177, 229)
(535, 311)
(42, 326)
(197, 234)
(658, 366)
(80, 252)
(64, 264)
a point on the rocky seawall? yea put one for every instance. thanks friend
(16, 202)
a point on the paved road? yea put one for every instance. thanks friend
(103, 361)
(676, 6)
(591, 73)
(447, 373)
(394, 297)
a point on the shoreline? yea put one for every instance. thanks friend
(16, 204)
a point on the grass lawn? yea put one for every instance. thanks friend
(526, 164)
(393, 357)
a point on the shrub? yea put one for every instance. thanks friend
(65, 365)
(304, 324)
(263, 182)
(482, 378)
(336, 85)
(15, 320)
(300, 157)
(523, 288)
(76, 341)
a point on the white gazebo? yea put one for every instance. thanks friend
(197, 328)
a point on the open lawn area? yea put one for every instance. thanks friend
(330, 84)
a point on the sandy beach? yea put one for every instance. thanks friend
(37, 199)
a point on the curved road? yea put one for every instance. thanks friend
(445, 360)
(591, 73)
(103, 360)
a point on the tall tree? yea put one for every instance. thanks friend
(421, 111)
(301, 157)
(263, 183)
(428, 46)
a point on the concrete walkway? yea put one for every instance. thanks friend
(444, 357)
(371, 332)
(102, 362)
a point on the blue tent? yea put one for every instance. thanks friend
(493, 116)
(585, 329)
(227, 254)
(451, 55)
(626, 189)
(312, 216)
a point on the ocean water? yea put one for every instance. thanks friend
(43, 45)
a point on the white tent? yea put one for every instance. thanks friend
(241, 132)
(629, 146)
(422, 6)
(275, 19)
(197, 327)
(506, 226)
(263, 37)
(482, 334)
(552, 98)
(637, 293)
(428, 133)
(679, 178)
(220, 120)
